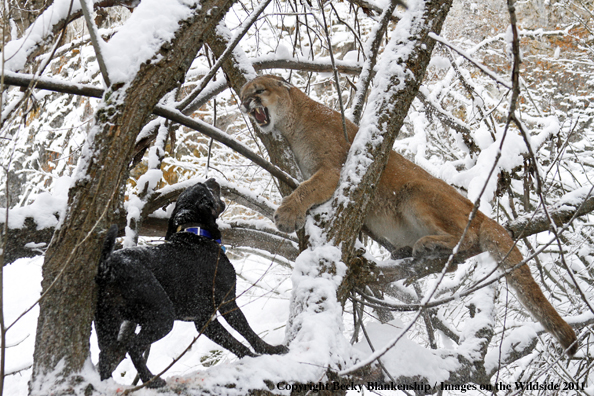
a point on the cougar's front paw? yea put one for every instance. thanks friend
(288, 217)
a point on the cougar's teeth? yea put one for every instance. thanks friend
(260, 115)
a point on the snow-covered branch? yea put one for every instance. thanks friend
(71, 259)
(169, 113)
(572, 205)
(371, 50)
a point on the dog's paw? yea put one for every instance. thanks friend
(289, 216)
(156, 382)
(278, 350)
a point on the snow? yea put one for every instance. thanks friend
(427, 364)
(265, 309)
(152, 23)
(315, 327)
(17, 50)
(440, 62)
(319, 331)
(45, 209)
(515, 341)
(575, 197)
(244, 64)
(22, 287)
(474, 179)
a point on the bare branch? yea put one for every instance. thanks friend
(95, 40)
(165, 112)
(372, 51)
(306, 65)
(51, 84)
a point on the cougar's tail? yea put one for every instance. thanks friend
(104, 269)
(496, 240)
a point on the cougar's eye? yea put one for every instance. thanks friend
(259, 91)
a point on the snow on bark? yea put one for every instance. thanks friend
(400, 72)
(16, 52)
(332, 237)
(153, 23)
(94, 200)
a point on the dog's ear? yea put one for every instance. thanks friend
(214, 186)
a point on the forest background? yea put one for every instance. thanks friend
(79, 152)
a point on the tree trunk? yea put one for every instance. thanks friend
(322, 265)
(26, 13)
(67, 308)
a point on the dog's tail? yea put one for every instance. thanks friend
(104, 269)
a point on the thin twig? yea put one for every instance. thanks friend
(372, 348)
(334, 70)
(367, 71)
(95, 41)
(186, 105)
(466, 55)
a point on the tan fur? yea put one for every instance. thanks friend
(411, 208)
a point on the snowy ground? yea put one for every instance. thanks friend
(266, 307)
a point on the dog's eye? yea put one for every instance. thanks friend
(206, 202)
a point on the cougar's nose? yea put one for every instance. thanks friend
(245, 105)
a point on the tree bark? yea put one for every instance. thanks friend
(402, 69)
(67, 308)
(402, 88)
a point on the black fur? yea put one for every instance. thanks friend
(186, 278)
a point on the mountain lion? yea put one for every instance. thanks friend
(412, 210)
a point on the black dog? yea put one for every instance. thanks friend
(186, 278)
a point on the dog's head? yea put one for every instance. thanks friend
(198, 206)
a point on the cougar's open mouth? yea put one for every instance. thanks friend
(261, 116)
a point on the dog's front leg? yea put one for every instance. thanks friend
(237, 320)
(217, 333)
